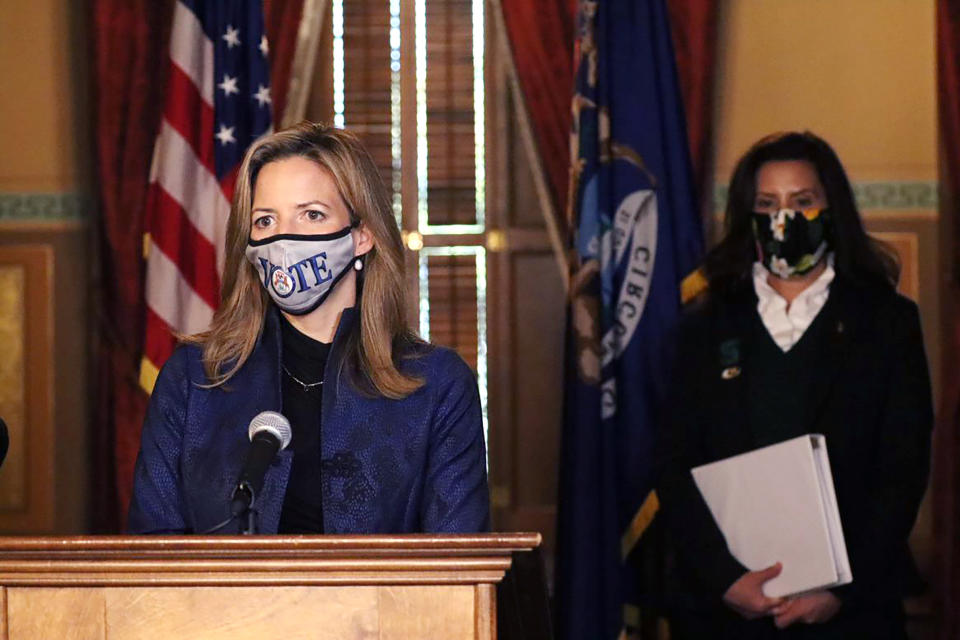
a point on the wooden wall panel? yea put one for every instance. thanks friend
(13, 401)
(526, 319)
(45, 53)
(524, 209)
(26, 318)
(914, 237)
(906, 244)
(537, 365)
(49, 448)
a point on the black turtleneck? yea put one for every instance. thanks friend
(304, 359)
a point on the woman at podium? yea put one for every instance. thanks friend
(800, 330)
(387, 434)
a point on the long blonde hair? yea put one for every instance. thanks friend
(243, 301)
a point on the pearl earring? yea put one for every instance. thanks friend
(358, 264)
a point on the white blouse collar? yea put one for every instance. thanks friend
(787, 326)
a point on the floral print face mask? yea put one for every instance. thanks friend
(791, 242)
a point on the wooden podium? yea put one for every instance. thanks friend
(287, 587)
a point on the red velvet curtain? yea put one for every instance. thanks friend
(946, 474)
(130, 42)
(130, 39)
(542, 34)
(282, 21)
(693, 26)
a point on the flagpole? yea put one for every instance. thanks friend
(548, 207)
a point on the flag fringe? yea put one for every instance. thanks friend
(148, 375)
(641, 521)
(692, 286)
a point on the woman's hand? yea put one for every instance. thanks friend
(812, 608)
(745, 596)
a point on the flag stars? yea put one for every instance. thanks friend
(229, 85)
(225, 135)
(262, 96)
(231, 37)
(264, 47)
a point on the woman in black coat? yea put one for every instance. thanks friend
(799, 331)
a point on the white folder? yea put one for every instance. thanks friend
(777, 504)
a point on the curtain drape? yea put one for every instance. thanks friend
(130, 39)
(542, 35)
(282, 21)
(130, 43)
(946, 474)
(693, 26)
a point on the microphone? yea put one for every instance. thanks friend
(270, 433)
(4, 441)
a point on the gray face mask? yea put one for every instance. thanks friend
(300, 271)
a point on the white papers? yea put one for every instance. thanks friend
(777, 504)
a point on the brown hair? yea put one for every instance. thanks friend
(860, 258)
(243, 301)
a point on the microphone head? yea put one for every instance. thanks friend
(4, 440)
(274, 423)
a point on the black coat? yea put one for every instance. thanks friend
(870, 397)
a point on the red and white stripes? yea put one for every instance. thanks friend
(187, 206)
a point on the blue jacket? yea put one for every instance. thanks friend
(389, 466)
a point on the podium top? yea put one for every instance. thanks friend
(261, 560)
(458, 544)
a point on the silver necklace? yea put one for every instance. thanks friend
(305, 385)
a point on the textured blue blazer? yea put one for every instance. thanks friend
(388, 466)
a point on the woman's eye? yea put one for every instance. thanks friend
(262, 222)
(315, 216)
(763, 205)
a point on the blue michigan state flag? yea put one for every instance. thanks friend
(636, 236)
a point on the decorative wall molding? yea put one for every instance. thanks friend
(897, 195)
(720, 193)
(884, 196)
(42, 207)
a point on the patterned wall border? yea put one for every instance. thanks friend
(42, 207)
(873, 195)
(64, 207)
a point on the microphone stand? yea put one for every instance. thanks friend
(242, 508)
(248, 525)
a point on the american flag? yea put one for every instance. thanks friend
(218, 102)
